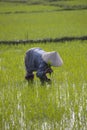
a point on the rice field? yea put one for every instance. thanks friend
(61, 105)
(39, 23)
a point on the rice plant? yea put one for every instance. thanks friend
(61, 105)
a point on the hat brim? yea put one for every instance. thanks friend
(52, 58)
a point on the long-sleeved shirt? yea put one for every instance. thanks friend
(34, 62)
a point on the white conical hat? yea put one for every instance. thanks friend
(52, 58)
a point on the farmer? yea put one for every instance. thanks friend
(40, 61)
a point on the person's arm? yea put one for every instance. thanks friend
(48, 70)
(43, 70)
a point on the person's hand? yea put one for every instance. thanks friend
(49, 70)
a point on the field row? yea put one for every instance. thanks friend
(43, 25)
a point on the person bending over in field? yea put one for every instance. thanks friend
(40, 61)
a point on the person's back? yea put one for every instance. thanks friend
(34, 58)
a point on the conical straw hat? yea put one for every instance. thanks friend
(52, 58)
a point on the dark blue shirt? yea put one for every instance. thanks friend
(34, 62)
